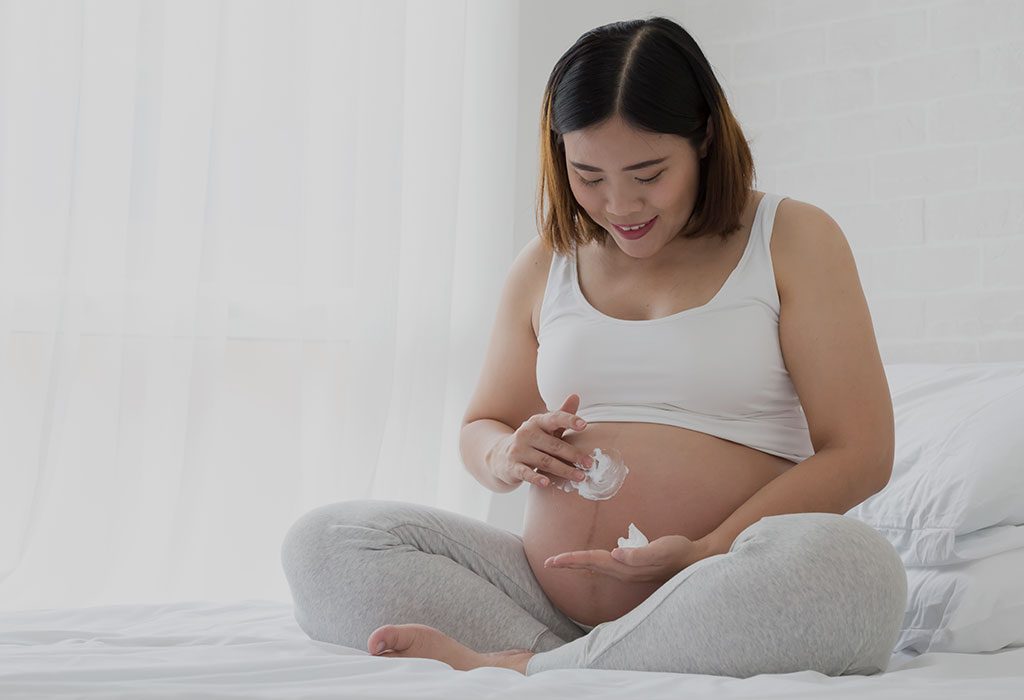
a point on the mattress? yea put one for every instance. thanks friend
(255, 649)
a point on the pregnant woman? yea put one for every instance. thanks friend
(712, 340)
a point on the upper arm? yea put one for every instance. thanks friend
(507, 387)
(827, 339)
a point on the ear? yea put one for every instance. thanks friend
(707, 139)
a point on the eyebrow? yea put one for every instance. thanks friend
(635, 166)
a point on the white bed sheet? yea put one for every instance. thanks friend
(255, 649)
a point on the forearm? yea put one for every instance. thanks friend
(833, 480)
(476, 444)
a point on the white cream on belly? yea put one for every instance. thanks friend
(604, 479)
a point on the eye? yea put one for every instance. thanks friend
(591, 183)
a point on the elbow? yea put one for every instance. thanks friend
(883, 480)
(888, 460)
(884, 472)
(884, 460)
(868, 472)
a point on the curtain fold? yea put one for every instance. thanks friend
(250, 254)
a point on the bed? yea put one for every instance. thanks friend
(953, 509)
(254, 649)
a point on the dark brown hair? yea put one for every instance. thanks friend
(650, 73)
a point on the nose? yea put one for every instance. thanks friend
(623, 206)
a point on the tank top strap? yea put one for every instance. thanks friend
(753, 279)
(558, 288)
(767, 215)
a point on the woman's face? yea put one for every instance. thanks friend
(618, 196)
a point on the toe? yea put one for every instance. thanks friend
(396, 638)
(386, 635)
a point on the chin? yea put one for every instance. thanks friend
(633, 254)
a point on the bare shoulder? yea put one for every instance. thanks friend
(535, 259)
(828, 343)
(507, 389)
(797, 225)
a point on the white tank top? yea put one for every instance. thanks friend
(716, 368)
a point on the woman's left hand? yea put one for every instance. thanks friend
(655, 562)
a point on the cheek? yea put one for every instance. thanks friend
(671, 197)
(667, 200)
(586, 199)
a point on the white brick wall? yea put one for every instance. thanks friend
(909, 131)
(903, 119)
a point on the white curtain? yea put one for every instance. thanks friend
(249, 254)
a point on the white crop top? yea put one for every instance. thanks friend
(716, 368)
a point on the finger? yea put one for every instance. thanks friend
(636, 557)
(527, 474)
(570, 454)
(605, 566)
(615, 570)
(601, 558)
(571, 403)
(554, 466)
(566, 452)
(619, 572)
(560, 421)
(583, 557)
(582, 567)
(625, 555)
(571, 565)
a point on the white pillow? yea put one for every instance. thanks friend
(976, 606)
(959, 462)
(985, 543)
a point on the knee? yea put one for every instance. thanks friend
(850, 577)
(851, 550)
(813, 534)
(861, 570)
(865, 555)
(874, 570)
(325, 526)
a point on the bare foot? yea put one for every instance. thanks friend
(425, 642)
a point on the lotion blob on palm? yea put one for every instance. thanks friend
(635, 539)
(603, 479)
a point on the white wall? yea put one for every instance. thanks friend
(903, 119)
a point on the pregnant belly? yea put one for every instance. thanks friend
(680, 482)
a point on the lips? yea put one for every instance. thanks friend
(622, 228)
(639, 233)
(642, 223)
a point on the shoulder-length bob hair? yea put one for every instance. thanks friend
(650, 73)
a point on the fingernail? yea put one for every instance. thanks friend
(380, 647)
(580, 423)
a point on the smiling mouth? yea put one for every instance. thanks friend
(636, 234)
(632, 226)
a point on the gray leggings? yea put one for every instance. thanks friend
(803, 591)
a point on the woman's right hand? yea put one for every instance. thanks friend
(538, 443)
